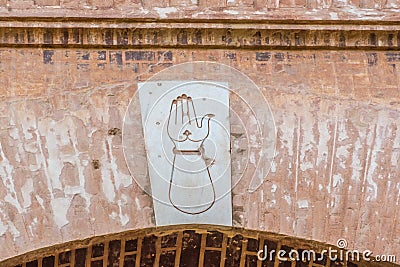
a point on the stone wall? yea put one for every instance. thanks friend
(330, 70)
(335, 175)
(360, 10)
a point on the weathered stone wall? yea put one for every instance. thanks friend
(335, 175)
(380, 10)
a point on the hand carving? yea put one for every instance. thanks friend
(188, 133)
(185, 130)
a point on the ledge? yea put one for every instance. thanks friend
(256, 35)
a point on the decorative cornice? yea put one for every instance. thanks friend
(200, 34)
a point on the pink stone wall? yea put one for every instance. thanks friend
(328, 10)
(63, 176)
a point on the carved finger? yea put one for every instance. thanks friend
(192, 111)
(179, 114)
(172, 119)
(172, 112)
(185, 108)
(208, 118)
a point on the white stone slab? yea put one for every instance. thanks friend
(191, 189)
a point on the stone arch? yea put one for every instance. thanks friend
(188, 245)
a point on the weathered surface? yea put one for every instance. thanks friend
(335, 175)
(380, 10)
(131, 34)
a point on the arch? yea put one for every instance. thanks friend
(188, 245)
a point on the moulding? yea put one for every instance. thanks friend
(201, 34)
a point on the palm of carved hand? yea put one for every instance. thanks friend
(184, 128)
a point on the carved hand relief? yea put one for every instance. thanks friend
(205, 130)
(190, 174)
